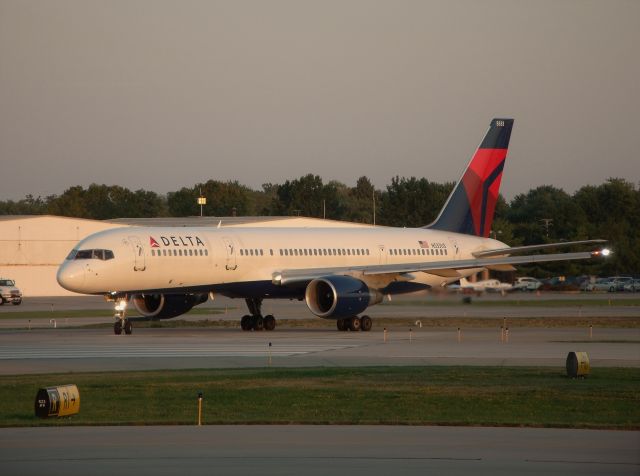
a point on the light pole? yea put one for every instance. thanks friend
(201, 201)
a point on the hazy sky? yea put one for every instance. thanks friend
(164, 94)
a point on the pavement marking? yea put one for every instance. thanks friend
(216, 350)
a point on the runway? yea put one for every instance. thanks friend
(316, 450)
(75, 350)
(312, 449)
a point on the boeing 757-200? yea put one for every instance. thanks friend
(338, 272)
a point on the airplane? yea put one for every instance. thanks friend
(338, 272)
(487, 285)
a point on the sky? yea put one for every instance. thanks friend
(159, 94)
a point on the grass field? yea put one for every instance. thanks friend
(489, 396)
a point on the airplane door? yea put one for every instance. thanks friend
(455, 248)
(383, 254)
(229, 244)
(139, 263)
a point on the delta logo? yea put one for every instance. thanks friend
(175, 241)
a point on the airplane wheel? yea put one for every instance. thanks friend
(343, 324)
(128, 327)
(245, 323)
(258, 323)
(269, 323)
(365, 323)
(117, 327)
(355, 323)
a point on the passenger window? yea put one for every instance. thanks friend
(108, 254)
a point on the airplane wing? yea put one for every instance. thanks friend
(524, 249)
(441, 268)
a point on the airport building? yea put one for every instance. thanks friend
(33, 246)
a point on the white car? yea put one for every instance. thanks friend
(619, 282)
(632, 286)
(601, 284)
(526, 283)
(9, 292)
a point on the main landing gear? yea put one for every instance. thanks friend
(255, 321)
(355, 323)
(122, 323)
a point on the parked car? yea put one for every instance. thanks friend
(9, 292)
(611, 284)
(526, 283)
(632, 286)
(601, 284)
(619, 282)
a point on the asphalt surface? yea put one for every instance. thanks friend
(312, 449)
(316, 450)
(75, 350)
(408, 307)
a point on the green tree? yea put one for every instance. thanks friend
(223, 199)
(412, 202)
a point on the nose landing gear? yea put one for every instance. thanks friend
(122, 323)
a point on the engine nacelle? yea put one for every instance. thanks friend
(166, 306)
(339, 296)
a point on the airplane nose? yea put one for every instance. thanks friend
(71, 277)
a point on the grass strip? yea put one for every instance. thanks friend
(405, 323)
(75, 313)
(510, 302)
(488, 396)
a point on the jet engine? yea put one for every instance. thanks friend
(166, 306)
(339, 296)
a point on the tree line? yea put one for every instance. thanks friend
(543, 214)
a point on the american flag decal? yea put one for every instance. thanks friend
(424, 244)
(153, 243)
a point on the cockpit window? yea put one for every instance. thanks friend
(91, 254)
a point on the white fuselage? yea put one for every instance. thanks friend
(244, 261)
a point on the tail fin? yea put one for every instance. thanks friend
(472, 203)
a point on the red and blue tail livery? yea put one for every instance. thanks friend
(472, 203)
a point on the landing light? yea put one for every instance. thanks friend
(606, 252)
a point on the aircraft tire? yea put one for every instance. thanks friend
(258, 323)
(269, 323)
(365, 323)
(342, 324)
(117, 327)
(355, 323)
(245, 323)
(128, 327)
